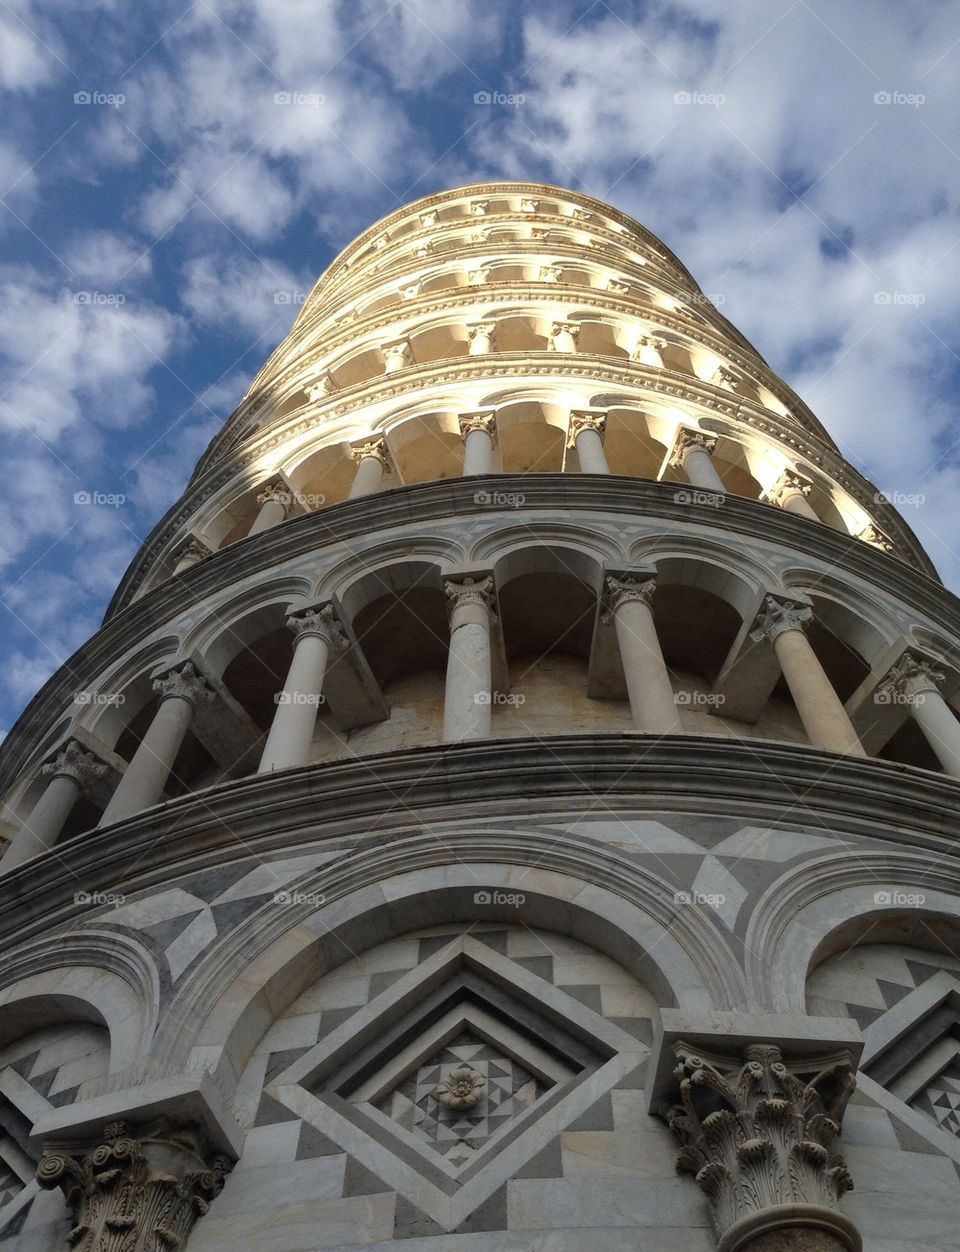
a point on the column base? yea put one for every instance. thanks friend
(792, 1228)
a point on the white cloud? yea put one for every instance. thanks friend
(105, 257)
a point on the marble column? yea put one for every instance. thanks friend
(564, 336)
(914, 682)
(482, 337)
(373, 461)
(630, 600)
(468, 695)
(824, 718)
(649, 350)
(477, 429)
(587, 428)
(181, 691)
(693, 454)
(275, 501)
(397, 355)
(758, 1132)
(318, 634)
(790, 492)
(192, 553)
(71, 773)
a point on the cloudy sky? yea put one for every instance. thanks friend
(169, 168)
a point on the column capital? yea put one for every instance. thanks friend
(322, 621)
(758, 1133)
(478, 419)
(410, 291)
(72, 761)
(688, 439)
(776, 616)
(477, 277)
(482, 330)
(323, 386)
(186, 683)
(191, 553)
(565, 328)
(550, 273)
(478, 208)
(429, 218)
(142, 1187)
(529, 206)
(397, 353)
(872, 534)
(424, 248)
(620, 589)
(910, 677)
(617, 286)
(651, 341)
(374, 450)
(789, 483)
(276, 492)
(586, 419)
(723, 377)
(471, 592)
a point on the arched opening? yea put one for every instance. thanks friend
(532, 436)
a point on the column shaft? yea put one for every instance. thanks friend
(477, 452)
(291, 733)
(468, 695)
(941, 729)
(700, 470)
(368, 477)
(272, 513)
(590, 451)
(42, 828)
(823, 715)
(644, 669)
(146, 776)
(796, 502)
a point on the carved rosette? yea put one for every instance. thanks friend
(461, 1089)
(778, 616)
(759, 1140)
(186, 683)
(322, 622)
(136, 1191)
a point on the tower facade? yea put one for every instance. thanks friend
(510, 802)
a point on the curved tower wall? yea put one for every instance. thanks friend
(525, 724)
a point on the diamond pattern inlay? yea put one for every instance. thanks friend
(508, 1089)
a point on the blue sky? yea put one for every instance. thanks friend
(168, 170)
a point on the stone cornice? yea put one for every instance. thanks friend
(263, 814)
(569, 495)
(605, 370)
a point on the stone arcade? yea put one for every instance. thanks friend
(510, 803)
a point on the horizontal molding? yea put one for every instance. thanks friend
(567, 495)
(389, 796)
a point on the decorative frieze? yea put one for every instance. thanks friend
(138, 1190)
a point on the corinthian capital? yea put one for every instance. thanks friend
(135, 1190)
(758, 1136)
(624, 589)
(322, 621)
(470, 592)
(789, 484)
(477, 277)
(550, 273)
(586, 419)
(478, 419)
(911, 676)
(529, 206)
(186, 683)
(323, 386)
(871, 534)
(778, 616)
(276, 493)
(725, 378)
(687, 440)
(73, 762)
(374, 450)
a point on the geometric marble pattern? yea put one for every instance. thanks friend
(54, 1061)
(941, 1100)
(508, 1089)
(10, 1184)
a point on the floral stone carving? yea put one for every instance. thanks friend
(135, 1191)
(461, 1089)
(759, 1140)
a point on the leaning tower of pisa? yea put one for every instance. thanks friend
(510, 802)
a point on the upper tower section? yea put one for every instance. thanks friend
(497, 296)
